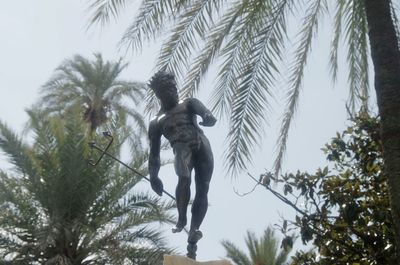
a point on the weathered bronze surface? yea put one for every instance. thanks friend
(177, 122)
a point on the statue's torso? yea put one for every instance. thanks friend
(179, 124)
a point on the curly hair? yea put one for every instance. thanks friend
(161, 80)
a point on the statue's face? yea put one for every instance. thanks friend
(167, 93)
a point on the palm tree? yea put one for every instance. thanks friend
(263, 251)
(247, 39)
(95, 87)
(56, 209)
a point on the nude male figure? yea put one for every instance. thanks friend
(177, 121)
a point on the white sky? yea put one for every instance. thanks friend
(36, 36)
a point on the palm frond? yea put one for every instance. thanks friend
(356, 30)
(341, 6)
(252, 245)
(263, 250)
(137, 119)
(351, 16)
(109, 72)
(57, 102)
(152, 17)
(152, 104)
(282, 257)
(309, 29)
(17, 151)
(150, 203)
(111, 194)
(63, 88)
(63, 73)
(82, 67)
(268, 247)
(233, 53)
(16, 204)
(152, 253)
(215, 39)
(131, 226)
(104, 10)
(45, 131)
(193, 23)
(139, 256)
(133, 90)
(235, 254)
(76, 190)
(250, 100)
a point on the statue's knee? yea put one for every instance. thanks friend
(204, 187)
(182, 170)
(184, 180)
(206, 184)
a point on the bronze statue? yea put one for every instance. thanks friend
(177, 121)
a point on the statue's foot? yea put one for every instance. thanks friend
(194, 236)
(179, 226)
(177, 229)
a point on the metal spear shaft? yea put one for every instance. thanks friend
(104, 152)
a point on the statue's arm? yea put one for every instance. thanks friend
(198, 108)
(154, 157)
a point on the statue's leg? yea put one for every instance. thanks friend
(203, 166)
(183, 166)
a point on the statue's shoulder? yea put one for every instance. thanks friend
(154, 126)
(184, 101)
(190, 101)
(154, 121)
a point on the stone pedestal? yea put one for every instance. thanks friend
(180, 260)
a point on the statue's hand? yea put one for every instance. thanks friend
(208, 120)
(157, 185)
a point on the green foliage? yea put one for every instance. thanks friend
(57, 209)
(263, 251)
(344, 209)
(96, 88)
(246, 40)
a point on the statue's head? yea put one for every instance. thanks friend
(164, 86)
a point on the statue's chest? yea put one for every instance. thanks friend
(174, 120)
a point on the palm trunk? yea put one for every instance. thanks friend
(386, 59)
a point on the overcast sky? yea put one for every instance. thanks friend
(36, 36)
